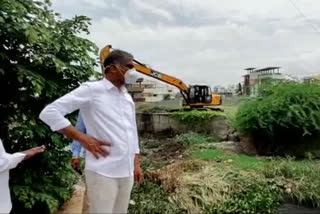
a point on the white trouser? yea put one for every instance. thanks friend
(108, 195)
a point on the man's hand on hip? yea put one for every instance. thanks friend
(96, 147)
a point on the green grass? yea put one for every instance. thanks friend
(209, 154)
(241, 161)
(230, 111)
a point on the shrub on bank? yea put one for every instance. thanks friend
(283, 116)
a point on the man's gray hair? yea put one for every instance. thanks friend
(117, 57)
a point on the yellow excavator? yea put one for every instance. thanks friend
(195, 96)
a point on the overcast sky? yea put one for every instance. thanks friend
(207, 41)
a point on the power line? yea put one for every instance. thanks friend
(302, 14)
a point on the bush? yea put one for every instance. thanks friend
(41, 58)
(283, 115)
(151, 198)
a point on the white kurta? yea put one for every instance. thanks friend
(7, 162)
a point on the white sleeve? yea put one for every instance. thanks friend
(53, 114)
(9, 161)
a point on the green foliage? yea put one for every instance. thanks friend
(148, 108)
(41, 58)
(249, 195)
(151, 198)
(227, 182)
(194, 138)
(304, 188)
(285, 113)
(193, 117)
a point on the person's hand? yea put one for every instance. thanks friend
(96, 147)
(34, 151)
(75, 163)
(138, 174)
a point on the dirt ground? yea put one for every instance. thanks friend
(75, 204)
(158, 152)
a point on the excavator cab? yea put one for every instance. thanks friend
(200, 94)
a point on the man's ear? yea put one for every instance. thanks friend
(110, 68)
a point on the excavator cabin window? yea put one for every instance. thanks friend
(200, 94)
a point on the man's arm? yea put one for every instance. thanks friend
(53, 115)
(137, 169)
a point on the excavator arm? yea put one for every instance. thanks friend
(161, 76)
(164, 78)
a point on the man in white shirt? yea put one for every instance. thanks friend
(7, 162)
(108, 113)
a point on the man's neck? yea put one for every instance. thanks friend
(117, 84)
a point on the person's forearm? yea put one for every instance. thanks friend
(136, 160)
(73, 133)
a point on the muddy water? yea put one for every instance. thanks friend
(294, 209)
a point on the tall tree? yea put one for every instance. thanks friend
(42, 57)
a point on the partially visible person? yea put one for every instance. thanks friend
(7, 162)
(76, 145)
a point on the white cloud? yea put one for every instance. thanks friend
(208, 41)
(142, 7)
(96, 3)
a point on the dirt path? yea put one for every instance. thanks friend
(75, 204)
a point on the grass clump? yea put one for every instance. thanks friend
(191, 138)
(248, 194)
(150, 198)
(216, 189)
(193, 117)
(302, 184)
(148, 108)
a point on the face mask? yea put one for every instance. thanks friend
(131, 76)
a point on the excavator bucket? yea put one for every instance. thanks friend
(104, 53)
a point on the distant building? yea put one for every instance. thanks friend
(150, 91)
(312, 79)
(255, 77)
(224, 91)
